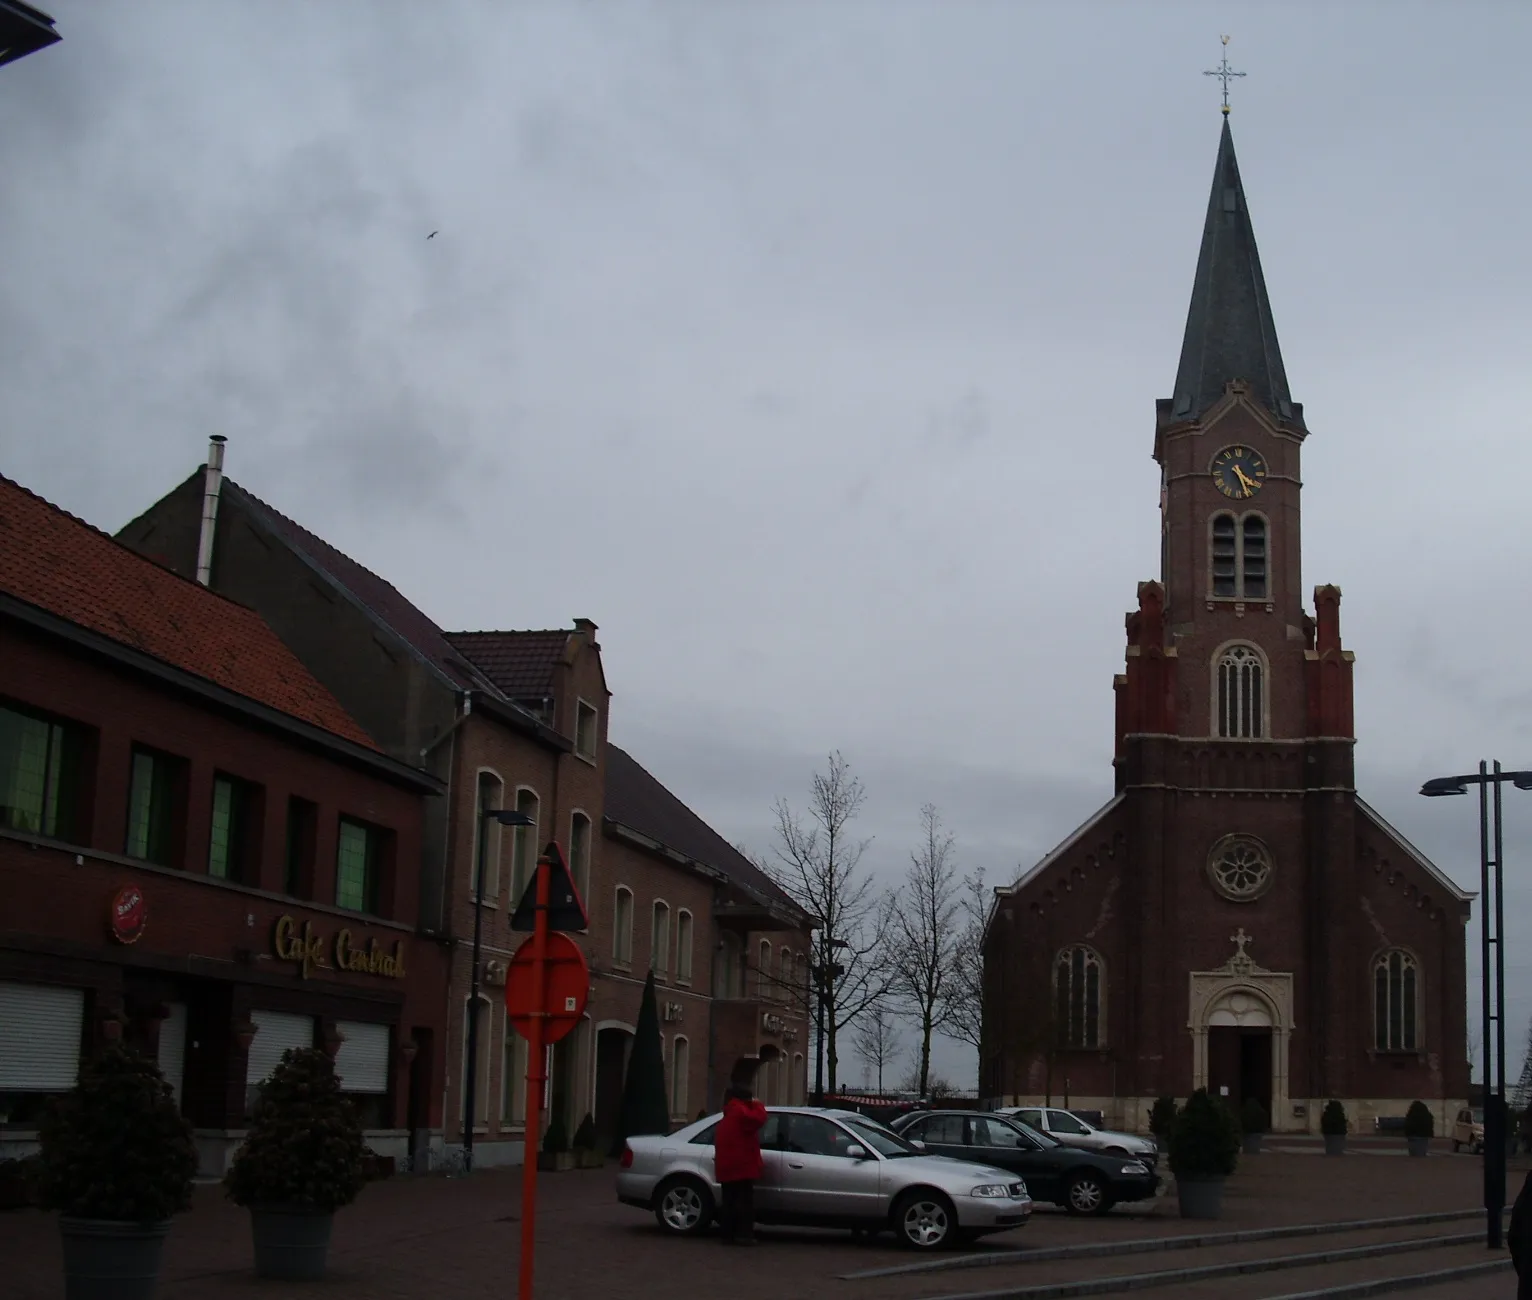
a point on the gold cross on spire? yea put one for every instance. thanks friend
(1223, 72)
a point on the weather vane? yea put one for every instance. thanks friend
(1223, 72)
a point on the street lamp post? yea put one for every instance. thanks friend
(23, 31)
(824, 973)
(1492, 1005)
(504, 817)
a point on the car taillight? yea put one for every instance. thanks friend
(627, 1156)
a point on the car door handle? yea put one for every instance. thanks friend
(795, 1164)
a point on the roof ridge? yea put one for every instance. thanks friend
(511, 631)
(138, 556)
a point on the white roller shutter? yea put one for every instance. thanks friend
(361, 1064)
(173, 1047)
(39, 1037)
(276, 1031)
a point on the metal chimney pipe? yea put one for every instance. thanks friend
(212, 485)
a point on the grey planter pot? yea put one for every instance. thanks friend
(1200, 1198)
(1419, 1146)
(1253, 1143)
(108, 1260)
(292, 1242)
(1335, 1144)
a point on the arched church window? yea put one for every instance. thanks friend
(1239, 693)
(1225, 556)
(1252, 557)
(1396, 999)
(1077, 997)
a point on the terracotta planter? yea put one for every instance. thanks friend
(1200, 1198)
(292, 1242)
(108, 1260)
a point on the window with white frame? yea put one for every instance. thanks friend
(622, 927)
(586, 730)
(763, 971)
(513, 1076)
(728, 971)
(1077, 993)
(684, 946)
(484, 1050)
(579, 852)
(680, 1070)
(784, 974)
(799, 1077)
(1396, 1002)
(491, 796)
(659, 939)
(523, 843)
(1239, 686)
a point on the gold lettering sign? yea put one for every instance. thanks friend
(306, 950)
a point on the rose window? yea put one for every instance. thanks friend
(1240, 867)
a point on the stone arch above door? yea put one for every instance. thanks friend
(1242, 993)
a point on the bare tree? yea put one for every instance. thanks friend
(923, 936)
(965, 989)
(877, 1039)
(817, 866)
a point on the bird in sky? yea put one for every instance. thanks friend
(433, 234)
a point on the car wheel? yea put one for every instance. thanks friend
(924, 1219)
(1086, 1194)
(683, 1206)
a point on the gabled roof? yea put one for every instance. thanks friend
(60, 564)
(387, 605)
(1230, 333)
(520, 664)
(1049, 858)
(637, 800)
(1430, 868)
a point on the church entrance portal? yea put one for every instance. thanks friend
(1240, 1064)
(1241, 1021)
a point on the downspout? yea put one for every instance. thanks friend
(466, 701)
(212, 485)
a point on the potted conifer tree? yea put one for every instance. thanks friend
(303, 1159)
(556, 1156)
(1419, 1128)
(1204, 1150)
(1334, 1125)
(586, 1154)
(117, 1161)
(1253, 1122)
(1162, 1118)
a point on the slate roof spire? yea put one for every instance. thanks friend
(1229, 330)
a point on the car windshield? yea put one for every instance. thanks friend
(885, 1142)
(1042, 1139)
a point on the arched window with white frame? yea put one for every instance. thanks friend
(1077, 991)
(763, 971)
(659, 939)
(491, 797)
(523, 843)
(680, 1075)
(622, 926)
(484, 1052)
(580, 839)
(1239, 693)
(684, 946)
(1396, 1001)
(784, 975)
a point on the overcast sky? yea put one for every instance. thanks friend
(809, 349)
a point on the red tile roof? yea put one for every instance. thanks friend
(60, 564)
(520, 663)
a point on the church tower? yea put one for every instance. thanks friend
(1235, 917)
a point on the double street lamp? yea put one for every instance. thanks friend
(503, 817)
(824, 973)
(1491, 935)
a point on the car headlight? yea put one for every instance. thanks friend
(1134, 1168)
(991, 1190)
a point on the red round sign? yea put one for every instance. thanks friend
(565, 988)
(129, 913)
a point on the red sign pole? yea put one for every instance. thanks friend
(537, 1078)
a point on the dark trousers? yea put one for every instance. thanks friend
(737, 1218)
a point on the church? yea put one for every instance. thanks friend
(1235, 917)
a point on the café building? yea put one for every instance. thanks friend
(201, 853)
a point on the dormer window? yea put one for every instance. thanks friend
(585, 730)
(1237, 557)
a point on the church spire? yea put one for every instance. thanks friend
(1229, 330)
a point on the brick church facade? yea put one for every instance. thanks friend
(1235, 916)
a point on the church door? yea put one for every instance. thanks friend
(1239, 1064)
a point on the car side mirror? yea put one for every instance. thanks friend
(856, 1152)
(917, 1144)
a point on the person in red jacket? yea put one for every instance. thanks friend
(737, 1162)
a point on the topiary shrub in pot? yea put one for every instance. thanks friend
(302, 1160)
(1204, 1149)
(1162, 1118)
(1419, 1128)
(556, 1157)
(117, 1161)
(586, 1154)
(1334, 1125)
(1253, 1122)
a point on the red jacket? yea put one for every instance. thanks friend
(737, 1144)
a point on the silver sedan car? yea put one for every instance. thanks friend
(1068, 1128)
(827, 1169)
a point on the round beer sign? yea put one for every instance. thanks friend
(129, 914)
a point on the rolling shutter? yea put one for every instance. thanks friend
(361, 1064)
(40, 1037)
(173, 1048)
(276, 1031)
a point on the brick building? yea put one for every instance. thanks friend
(201, 853)
(516, 719)
(1235, 916)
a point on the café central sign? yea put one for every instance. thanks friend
(309, 951)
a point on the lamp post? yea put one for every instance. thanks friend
(23, 31)
(504, 817)
(824, 973)
(1491, 935)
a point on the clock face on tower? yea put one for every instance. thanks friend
(1239, 472)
